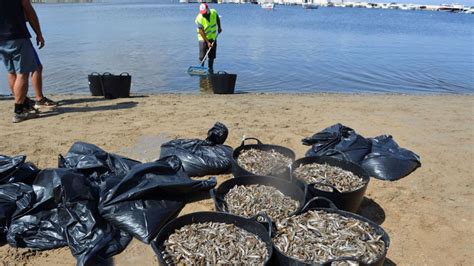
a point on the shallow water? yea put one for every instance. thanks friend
(286, 50)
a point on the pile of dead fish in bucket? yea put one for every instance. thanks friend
(276, 210)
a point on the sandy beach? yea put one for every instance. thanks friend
(429, 214)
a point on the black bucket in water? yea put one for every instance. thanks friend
(222, 82)
(250, 225)
(288, 189)
(95, 85)
(347, 201)
(239, 171)
(283, 260)
(116, 86)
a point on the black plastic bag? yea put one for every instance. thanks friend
(340, 142)
(95, 163)
(91, 239)
(16, 196)
(15, 169)
(9, 164)
(66, 213)
(202, 157)
(148, 196)
(388, 161)
(38, 227)
(217, 134)
(381, 156)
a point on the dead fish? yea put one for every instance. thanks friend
(330, 236)
(328, 176)
(214, 243)
(260, 162)
(251, 200)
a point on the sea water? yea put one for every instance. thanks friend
(289, 49)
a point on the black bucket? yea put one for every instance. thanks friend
(287, 188)
(223, 83)
(116, 86)
(239, 171)
(347, 201)
(94, 84)
(282, 259)
(250, 225)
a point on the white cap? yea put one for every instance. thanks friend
(203, 8)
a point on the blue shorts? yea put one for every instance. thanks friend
(19, 56)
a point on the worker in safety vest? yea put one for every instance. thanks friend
(208, 26)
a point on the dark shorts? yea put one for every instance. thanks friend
(19, 56)
(203, 50)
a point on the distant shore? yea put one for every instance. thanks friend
(453, 8)
(428, 211)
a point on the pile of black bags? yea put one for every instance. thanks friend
(95, 202)
(381, 156)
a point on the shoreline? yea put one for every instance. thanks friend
(200, 93)
(427, 211)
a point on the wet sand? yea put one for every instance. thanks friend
(428, 215)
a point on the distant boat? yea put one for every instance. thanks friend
(309, 6)
(451, 8)
(469, 10)
(268, 5)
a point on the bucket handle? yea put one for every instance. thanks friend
(258, 141)
(124, 74)
(222, 72)
(218, 201)
(308, 204)
(166, 257)
(94, 74)
(107, 74)
(263, 218)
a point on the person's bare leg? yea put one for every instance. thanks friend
(20, 87)
(11, 81)
(37, 82)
